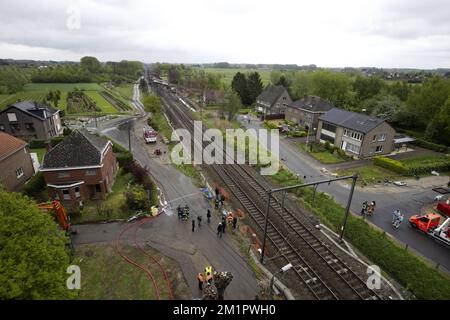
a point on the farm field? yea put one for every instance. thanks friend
(228, 74)
(37, 92)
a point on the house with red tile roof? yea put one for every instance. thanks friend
(16, 165)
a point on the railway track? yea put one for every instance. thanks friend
(319, 269)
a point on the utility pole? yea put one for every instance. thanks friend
(347, 208)
(129, 136)
(269, 195)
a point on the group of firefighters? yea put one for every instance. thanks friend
(368, 208)
(205, 278)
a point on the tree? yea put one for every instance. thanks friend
(367, 87)
(232, 106)
(425, 101)
(332, 86)
(33, 257)
(152, 104)
(400, 89)
(283, 82)
(240, 86)
(90, 64)
(254, 86)
(439, 127)
(383, 106)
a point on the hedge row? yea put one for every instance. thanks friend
(426, 164)
(430, 145)
(390, 164)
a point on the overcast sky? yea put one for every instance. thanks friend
(380, 33)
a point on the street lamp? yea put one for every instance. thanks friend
(282, 270)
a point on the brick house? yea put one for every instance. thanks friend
(16, 165)
(82, 166)
(272, 102)
(306, 111)
(30, 120)
(359, 135)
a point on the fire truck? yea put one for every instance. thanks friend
(433, 225)
(149, 134)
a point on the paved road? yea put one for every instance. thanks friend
(409, 202)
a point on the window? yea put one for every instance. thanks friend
(2, 127)
(19, 173)
(15, 127)
(29, 126)
(66, 194)
(91, 172)
(353, 134)
(98, 188)
(382, 137)
(328, 127)
(326, 138)
(11, 116)
(374, 138)
(77, 192)
(352, 148)
(63, 174)
(379, 149)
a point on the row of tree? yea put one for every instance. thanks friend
(90, 69)
(12, 79)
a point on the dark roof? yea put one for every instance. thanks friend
(34, 109)
(78, 149)
(313, 104)
(351, 120)
(10, 145)
(271, 93)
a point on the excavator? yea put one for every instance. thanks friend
(55, 207)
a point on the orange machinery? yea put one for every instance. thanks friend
(60, 213)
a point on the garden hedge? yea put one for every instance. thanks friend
(390, 164)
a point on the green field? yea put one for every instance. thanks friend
(228, 74)
(37, 91)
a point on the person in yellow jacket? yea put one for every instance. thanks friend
(208, 274)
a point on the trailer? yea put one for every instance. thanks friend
(149, 134)
(442, 233)
(444, 208)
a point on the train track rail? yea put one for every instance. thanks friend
(319, 269)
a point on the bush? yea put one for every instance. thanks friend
(426, 164)
(430, 145)
(137, 199)
(270, 125)
(35, 144)
(124, 158)
(35, 185)
(298, 134)
(390, 164)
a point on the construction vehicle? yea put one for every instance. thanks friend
(59, 212)
(430, 224)
(149, 134)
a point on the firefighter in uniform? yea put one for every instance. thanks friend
(201, 280)
(208, 274)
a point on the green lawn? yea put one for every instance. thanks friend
(62, 86)
(101, 102)
(40, 153)
(324, 157)
(105, 275)
(371, 174)
(228, 74)
(125, 90)
(114, 207)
